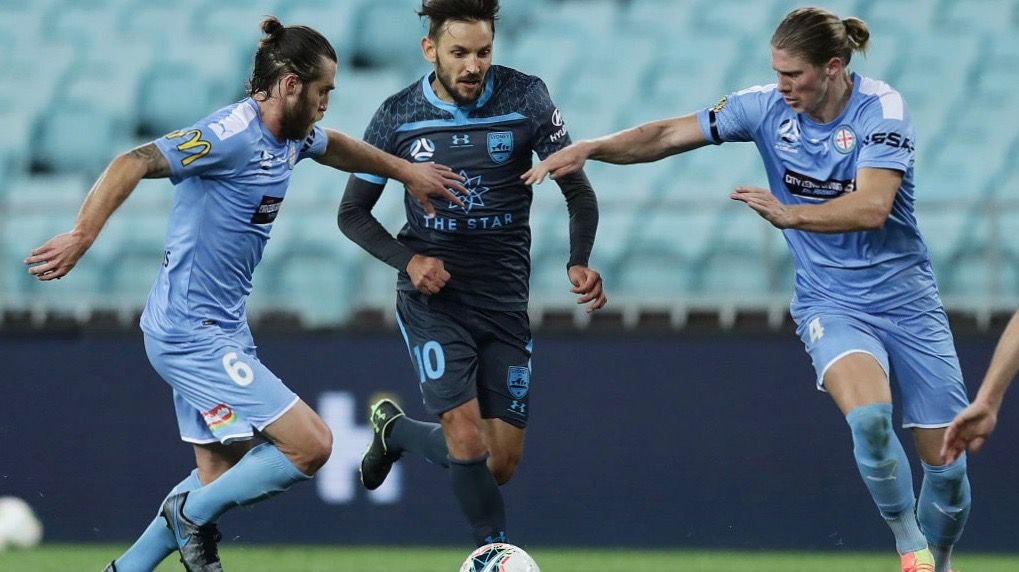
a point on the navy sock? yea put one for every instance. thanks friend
(157, 542)
(944, 508)
(480, 499)
(425, 439)
(262, 473)
(885, 470)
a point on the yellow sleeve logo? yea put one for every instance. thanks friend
(720, 105)
(195, 146)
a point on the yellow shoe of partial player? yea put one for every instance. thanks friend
(919, 561)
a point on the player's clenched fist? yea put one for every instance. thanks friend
(427, 273)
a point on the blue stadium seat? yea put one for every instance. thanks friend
(388, 33)
(174, 96)
(133, 252)
(736, 18)
(529, 53)
(660, 18)
(333, 19)
(359, 93)
(978, 17)
(310, 272)
(898, 16)
(61, 133)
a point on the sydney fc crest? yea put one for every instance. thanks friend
(518, 381)
(500, 146)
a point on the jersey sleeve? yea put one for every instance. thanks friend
(887, 135)
(550, 133)
(199, 151)
(378, 134)
(314, 145)
(735, 117)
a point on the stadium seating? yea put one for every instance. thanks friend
(81, 81)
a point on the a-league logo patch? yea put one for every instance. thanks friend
(500, 146)
(518, 381)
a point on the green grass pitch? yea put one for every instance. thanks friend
(70, 557)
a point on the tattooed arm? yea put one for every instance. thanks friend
(58, 255)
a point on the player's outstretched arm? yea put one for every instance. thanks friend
(865, 209)
(642, 144)
(974, 425)
(58, 255)
(422, 180)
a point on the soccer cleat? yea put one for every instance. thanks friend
(111, 567)
(378, 459)
(919, 561)
(197, 544)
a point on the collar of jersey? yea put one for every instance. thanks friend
(457, 110)
(841, 116)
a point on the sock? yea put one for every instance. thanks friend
(480, 499)
(944, 508)
(262, 473)
(885, 470)
(425, 439)
(157, 542)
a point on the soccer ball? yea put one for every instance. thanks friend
(499, 557)
(19, 527)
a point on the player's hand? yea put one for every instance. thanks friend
(428, 274)
(562, 162)
(766, 205)
(426, 180)
(969, 430)
(588, 284)
(57, 256)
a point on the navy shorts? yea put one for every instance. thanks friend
(460, 352)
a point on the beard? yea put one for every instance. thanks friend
(297, 121)
(451, 86)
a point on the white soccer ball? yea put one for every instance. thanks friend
(499, 557)
(19, 527)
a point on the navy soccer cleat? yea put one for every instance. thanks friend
(378, 459)
(197, 543)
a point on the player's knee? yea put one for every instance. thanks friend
(465, 444)
(503, 465)
(314, 452)
(872, 431)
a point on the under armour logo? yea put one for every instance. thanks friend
(518, 407)
(461, 140)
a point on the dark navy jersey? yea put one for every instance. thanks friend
(484, 245)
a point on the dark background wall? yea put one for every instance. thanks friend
(681, 440)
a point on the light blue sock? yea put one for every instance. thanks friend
(885, 470)
(944, 508)
(157, 542)
(262, 473)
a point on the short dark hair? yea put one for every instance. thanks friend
(439, 12)
(287, 49)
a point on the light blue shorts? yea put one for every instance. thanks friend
(220, 390)
(913, 344)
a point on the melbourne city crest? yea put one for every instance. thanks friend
(500, 146)
(518, 381)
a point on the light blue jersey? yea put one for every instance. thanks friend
(869, 292)
(809, 163)
(231, 175)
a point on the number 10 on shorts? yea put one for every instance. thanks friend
(431, 361)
